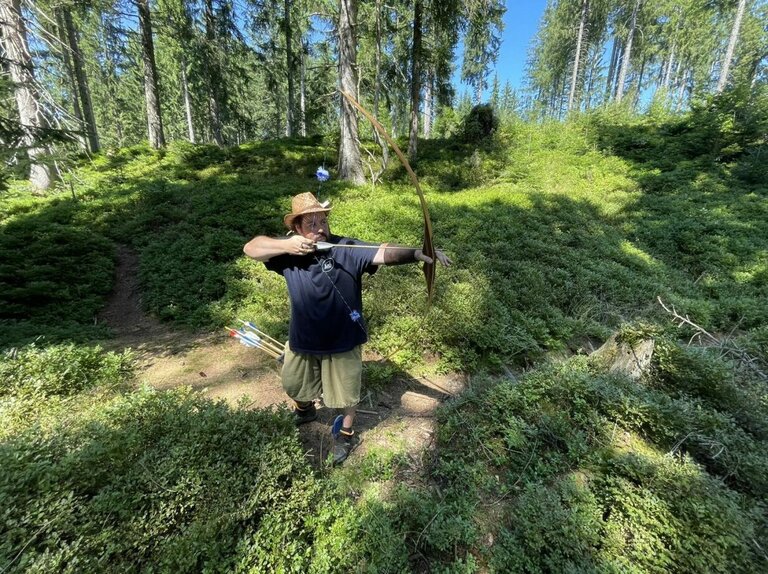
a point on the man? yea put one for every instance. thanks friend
(327, 329)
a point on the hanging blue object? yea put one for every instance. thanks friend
(355, 316)
(322, 174)
(338, 422)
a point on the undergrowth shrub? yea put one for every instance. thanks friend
(581, 471)
(157, 481)
(53, 276)
(33, 373)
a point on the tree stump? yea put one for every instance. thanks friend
(621, 357)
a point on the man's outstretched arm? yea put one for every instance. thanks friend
(402, 256)
(263, 248)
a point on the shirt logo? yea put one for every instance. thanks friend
(327, 264)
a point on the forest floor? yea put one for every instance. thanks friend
(399, 417)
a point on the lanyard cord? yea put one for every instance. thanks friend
(353, 314)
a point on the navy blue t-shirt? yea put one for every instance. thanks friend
(325, 290)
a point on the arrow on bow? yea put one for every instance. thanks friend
(429, 248)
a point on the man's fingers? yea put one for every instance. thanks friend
(443, 258)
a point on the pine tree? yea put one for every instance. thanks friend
(484, 25)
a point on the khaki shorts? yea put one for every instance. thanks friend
(336, 376)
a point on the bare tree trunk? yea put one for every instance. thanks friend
(61, 30)
(290, 65)
(151, 91)
(187, 100)
(725, 68)
(639, 83)
(82, 83)
(615, 50)
(428, 97)
(19, 61)
(577, 57)
(377, 85)
(627, 53)
(214, 76)
(303, 91)
(668, 69)
(593, 67)
(681, 91)
(350, 166)
(415, 82)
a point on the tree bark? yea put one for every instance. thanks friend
(415, 83)
(84, 91)
(290, 65)
(731, 47)
(19, 61)
(627, 53)
(577, 57)
(350, 166)
(151, 91)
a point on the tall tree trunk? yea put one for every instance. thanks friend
(639, 83)
(187, 99)
(214, 76)
(350, 166)
(593, 67)
(428, 98)
(681, 91)
(577, 57)
(415, 82)
(627, 53)
(61, 31)
(19, 61)
(289, 66)
(377, 84)
(612, 69)
(668, 69)
(82, 83)
(303, 90)
(151, 91)
(725, 68)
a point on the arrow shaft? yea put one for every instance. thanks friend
(323, 246)
(277, 344)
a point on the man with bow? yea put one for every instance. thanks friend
(327, 328)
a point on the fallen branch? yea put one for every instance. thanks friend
(726, 347)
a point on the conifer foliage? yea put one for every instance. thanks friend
(595, 52)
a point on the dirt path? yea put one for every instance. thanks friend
(399, 416)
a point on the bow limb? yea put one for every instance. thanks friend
(429, 248)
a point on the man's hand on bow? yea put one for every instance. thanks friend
(441, 257)
(299, 245)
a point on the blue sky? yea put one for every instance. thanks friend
(520, 24)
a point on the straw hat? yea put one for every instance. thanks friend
(304, 203)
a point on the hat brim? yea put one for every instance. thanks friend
(289, 218)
